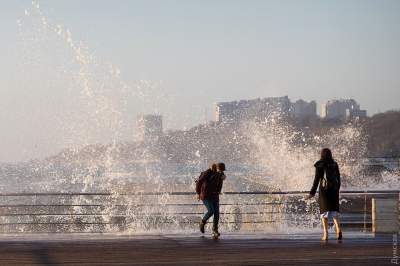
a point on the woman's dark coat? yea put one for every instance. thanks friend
(209, 185)
(328, 196)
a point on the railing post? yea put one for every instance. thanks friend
(385, 215)
(365, 212)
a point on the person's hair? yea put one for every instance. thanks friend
(326, 154)
(213, 167)
(221, 166)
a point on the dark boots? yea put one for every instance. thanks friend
(216, 234)
(202, 225)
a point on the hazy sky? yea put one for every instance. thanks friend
(193, 53)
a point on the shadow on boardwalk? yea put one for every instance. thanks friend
(356, 249)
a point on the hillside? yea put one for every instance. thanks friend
(383, 131)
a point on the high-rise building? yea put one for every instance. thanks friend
(149, 127)
(342, 109)
(358, 114)
(303, 110)
(257, 109)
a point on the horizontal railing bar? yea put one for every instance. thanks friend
(58, 223)
(176, 214)
(177, 193)
(165, 222)
(53, 232)
(183, 213)
(160, 222)
(54, 205)
(54, 214)
(136, 214)
(138, 205)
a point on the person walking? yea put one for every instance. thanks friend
(208, 188)
(327, 177)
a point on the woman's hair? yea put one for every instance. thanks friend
(213, 167)
(221, 167)
(326, 154)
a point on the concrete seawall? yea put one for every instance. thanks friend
(385, 215)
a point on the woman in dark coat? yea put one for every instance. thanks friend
(327, 177)
(208, 188)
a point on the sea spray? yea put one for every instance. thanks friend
(289, 153)
(95, 113)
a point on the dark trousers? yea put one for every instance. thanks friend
(212, 209)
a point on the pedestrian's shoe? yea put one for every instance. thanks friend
(324, 237)
(216, 234)
(201, 226)
(340, 236)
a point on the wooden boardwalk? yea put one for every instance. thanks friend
(356, 249)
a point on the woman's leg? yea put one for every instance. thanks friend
(210, 210)
(324, 221)
(216, 215)
(207, 215)
(336, 221)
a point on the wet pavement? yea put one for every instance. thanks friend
(194, 249)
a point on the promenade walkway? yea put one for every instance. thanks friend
(193, 249)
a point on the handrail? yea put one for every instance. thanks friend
(178, 193)
(105, 211)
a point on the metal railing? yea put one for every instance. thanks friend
(130, 212)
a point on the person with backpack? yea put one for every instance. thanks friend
(208, 188)
(327, 177)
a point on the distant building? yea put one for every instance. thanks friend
(257, 109)
(342, 109)
(323, 110)
(358, 114)
(302, 110)
(149, 127)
